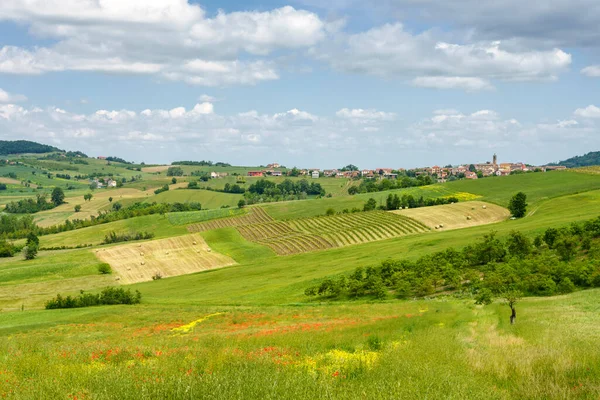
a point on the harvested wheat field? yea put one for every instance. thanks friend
(456, 216)
(139, 262)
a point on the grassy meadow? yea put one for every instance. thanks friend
(246, 329)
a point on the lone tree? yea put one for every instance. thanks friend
(87, 196)
(78, 208)
(32, 240)
(370, 205)
(58, 196)
(512, 297)
(29, 252)
(241, 203)
(518, 205)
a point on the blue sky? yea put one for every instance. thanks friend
(406, 83)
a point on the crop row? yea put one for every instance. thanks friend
(311, 234)
(256, 215)
(298, 244)
(261, 232)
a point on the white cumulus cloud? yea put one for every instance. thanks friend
(590, 111)
(6, 97)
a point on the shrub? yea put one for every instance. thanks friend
(30, 252)
(165, 188)
(157, 276)
(330, 212)
(565, 286)
(104, 269)
(6, 249)
(77, 208)
(484, 297)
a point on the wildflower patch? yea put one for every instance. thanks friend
(185, 329)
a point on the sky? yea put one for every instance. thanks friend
(307, 83)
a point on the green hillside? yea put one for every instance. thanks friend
(231, 332)
(8, 147)
(590, 159)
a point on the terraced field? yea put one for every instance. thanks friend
(349, 229)
(256, 215)
(319, 233)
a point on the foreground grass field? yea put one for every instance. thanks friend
(425, 349)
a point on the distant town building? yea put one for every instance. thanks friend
(315, 174)
(256, 173)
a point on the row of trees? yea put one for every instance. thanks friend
(202, 163)
(108, 296)
(17, 228)
(372, 185)
(557, 261)
(114, 237)
(287, 187)
(31, 206)
(395, 202)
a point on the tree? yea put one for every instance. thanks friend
(117, 206)
(88, 196)
(30, 252)
(519, 245)
(104, 269)
(512, 297)
(78, 208)
(518, 205)
(330, 212)
(32, 240)
(566, 247)
(241, 203)
(370, 205)
(174, 180)
(175, 171)
(472, 168)
(110, 199)
(58, 196)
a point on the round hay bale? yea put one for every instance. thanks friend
(441, 225)
(117, 279)
(484, 207)
(437, 227)
(143, 263)
(209, 250)
(142, 254)
(128, 268)
(469, 218)
(194, 243)
(139, 245)
(166, 252)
